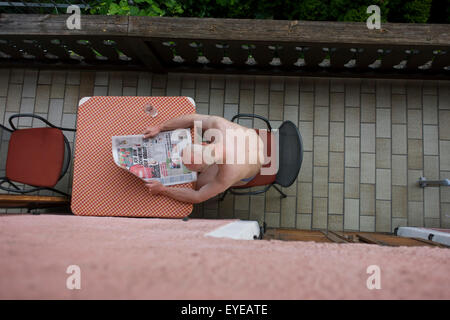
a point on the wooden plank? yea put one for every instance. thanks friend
(369, 239)
(294, 235)
(145, 55)
(335, 237)
(290, 31)
(51, 24)
(230, 29)
(431, 243)
(32, 201)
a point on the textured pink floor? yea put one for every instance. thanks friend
(124, 258)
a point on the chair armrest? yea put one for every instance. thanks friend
(250, 115)
(30, 115)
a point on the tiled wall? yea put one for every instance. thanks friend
(366, 142)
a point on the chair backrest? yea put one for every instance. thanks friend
(290, 154)
(5, 135)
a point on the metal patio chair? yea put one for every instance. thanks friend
(290, 157)
(36, 157)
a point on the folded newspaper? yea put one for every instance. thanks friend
(157, 158)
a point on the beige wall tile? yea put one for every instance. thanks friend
(368, 107)
(414, 95)
(337, 136)
(306, 84)
(444, 128)
(352, 152)
(13, 98)
(431, 202)
(444, 95)
(399, 139)
(45, 76)
(383, 187)
(415, 154)
(445, 154)
(71, 99)
(367, 224)
(399, 201)
(430, 114)
(291, 114)
(337, 106)
(29, 83)
(291, 93)
(248, 82)
(415, 192)
(273, 201)
(216, 102)
(399, 222)
(303, 221)
(256, 208)
(288, 212)
(336, 167)
(336, 198)
(320, 185)
(319, 217)
(306, 130)
(352, 122)
(336, 85)
(351, 183)
(383, 156)
(432, 223)
(367, 199)
(415, 214)
(383, 94)
(414, 124)
(273, 219)
(262, 90)
(430, 140)
(276, 105)
(352, 92)
(304, 198)
(398, 108)
(4, 79)
(431, 167)
(217, 82)
(321, 121)
(320, 151)
(383, 216)
(445, 191)
(368, 85)
(399, 170)
(368, 168)
(87, 84)
(445, 219)
(398, 86)
(305, 174)
(383, 125)
(351, 215)
(429, 88)
(246, 101)
(231, 89)
(368, 137)
(322, 88)
(336, 222)
(306, 106)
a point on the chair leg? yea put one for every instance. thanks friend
(283, 195)
(222, 196)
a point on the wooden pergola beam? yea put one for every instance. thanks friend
(312, 32)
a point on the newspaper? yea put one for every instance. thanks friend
(157, 158)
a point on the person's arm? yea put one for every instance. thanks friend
(186, 194)
(181, 122)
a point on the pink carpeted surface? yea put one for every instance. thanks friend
(130, 258)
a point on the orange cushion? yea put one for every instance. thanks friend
(35, 156)
(261, 180)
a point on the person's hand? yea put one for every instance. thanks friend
(150, 132)
(155, 187)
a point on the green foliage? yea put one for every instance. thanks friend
(316, 10)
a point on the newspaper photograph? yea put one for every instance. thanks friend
(157, 158)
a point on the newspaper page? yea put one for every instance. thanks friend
(157, 158)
